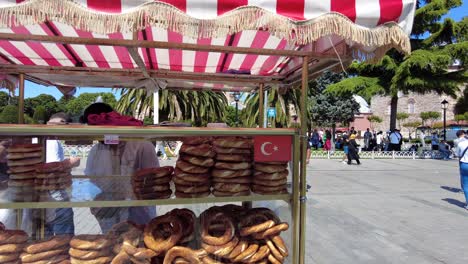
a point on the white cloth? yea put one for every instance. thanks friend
(379, 139)
(54, 151)
(462, 145)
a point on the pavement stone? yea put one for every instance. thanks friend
(386, 211)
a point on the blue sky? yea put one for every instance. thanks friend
(32, 89)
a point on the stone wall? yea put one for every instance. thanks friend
(380, 106)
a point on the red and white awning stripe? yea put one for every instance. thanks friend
(226, 22)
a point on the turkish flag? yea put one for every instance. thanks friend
(272, 148)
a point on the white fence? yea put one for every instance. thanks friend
(424, 154)
(83, 150)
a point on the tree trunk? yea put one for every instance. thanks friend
(393, 111)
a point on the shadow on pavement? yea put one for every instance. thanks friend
(451, 189)
(454, 202)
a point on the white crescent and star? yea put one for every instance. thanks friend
(264, 152)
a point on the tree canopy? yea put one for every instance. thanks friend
(76, 106)
(436, 46)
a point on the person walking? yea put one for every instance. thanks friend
(379, 141)
(444, 148)
(463, 162)
(327, 139)
(396, 140)
(367, 139)
(315, 139)
(345, 149)
(434, 141)
(353, 150)
(461, 136)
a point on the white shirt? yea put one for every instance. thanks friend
(461, 147)
(54, 151)
(379, 139)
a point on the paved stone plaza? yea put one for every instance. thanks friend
(386, 211)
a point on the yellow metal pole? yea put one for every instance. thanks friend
(21, 99)
(261, 109)
(305, 83)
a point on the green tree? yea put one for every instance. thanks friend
(199, 107)
(401, 117)
(462, 103)
(374, 119)
(46, 101)
(40, 115)
(430, 116)
(9, 115)
(76, 106)
(436, 45)
(4, 99)
(460, 117)
(411, 126)
(230, 116)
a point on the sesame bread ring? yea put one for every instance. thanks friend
(192, 195)
(45, 175)
(20, 148)
(246, 254)
(90, 242)
(262, 252)
(220, 150)
(100, 260)
(154, 172)
(273, 260)
(196, 140)
(273, 231)
(193, 177)
(52, 187)
(230, 194)
(231, 187)
(158, 243)
(49, 244)
(187, 254)
(191, 181)
(24, 155)
(59, 259)
(209, 260)
(271, 176)
(138, 253)
(244, 180)
(268, 168)
(233, 157)
(21, 183)
(199, 161)
(120, 258)
(263, 192)
(26, 257)
(153, 196)
(207, 218)
(230, 173)
(193, 189)
(121, 228)
(9, 257)
(152, 189)
(22, 169)
(232, 142)
(24, 162)
(241, 247)
(280, 245)
(188, 219)
(88, 254)
(13, 237)
(251, 227)
(273, 250)
(190, 168)
(233, 165)
(270, 183)
(11, 248)
(268, 188)
(203, 150)
(141, 182)
(57, 166)
(221, 250)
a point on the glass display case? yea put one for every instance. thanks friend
(224, 198)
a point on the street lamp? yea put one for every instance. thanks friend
(444, 104)
(237, 98)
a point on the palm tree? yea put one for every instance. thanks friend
(200, 107)
(282, 102)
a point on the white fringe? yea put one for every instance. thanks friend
(159, 14)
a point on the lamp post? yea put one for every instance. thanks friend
(236, 99)
(444, 104)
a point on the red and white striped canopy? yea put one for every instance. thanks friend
(367, 27)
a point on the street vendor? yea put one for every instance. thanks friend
(121, 159)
